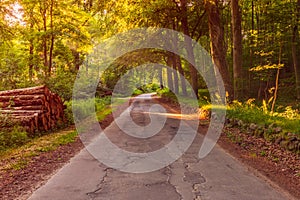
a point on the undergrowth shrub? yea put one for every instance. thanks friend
(12, 138)
(84, 108)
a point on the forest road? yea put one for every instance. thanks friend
(218, 176)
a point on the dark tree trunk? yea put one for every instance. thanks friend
(296, 52)
(237, 48)
(218, 49)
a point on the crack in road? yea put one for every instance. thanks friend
(169, 175)
(99, 185)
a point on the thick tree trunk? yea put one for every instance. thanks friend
(296, 52)
(218, 49)
(237, 48)
(77, 61)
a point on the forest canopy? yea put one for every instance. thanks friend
(253, 43)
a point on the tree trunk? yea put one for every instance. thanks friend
(77, 61)
(160, 77)
(218, 49)
(237, 49)
(52, 39)
(44, 15)
(169, 73)
(189, 47)
(177, 63)
(180, 70)
(277, 79)
(296, 52)
(175, 74)
(31, 48)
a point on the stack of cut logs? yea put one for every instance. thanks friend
(35, 108)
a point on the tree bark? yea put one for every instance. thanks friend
(175, 74)
(31, 49)
(296, 51)
(218, 50)
(180, 70)
(52, 39)
(160, 77)
(237, 49)
(189, 47)
(44, 16)
(169, 73)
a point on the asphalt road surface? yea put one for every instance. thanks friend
(218, 176)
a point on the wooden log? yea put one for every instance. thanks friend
(22, 97)
(26, 91)
(20, 112)
(37, 107)
(18, 103)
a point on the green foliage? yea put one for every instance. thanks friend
(86, 107)
(248, 112)
(166, 93)
(68, 112)
(137, 92)
(62, 84)
(12, 138)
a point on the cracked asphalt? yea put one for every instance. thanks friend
(218, 176)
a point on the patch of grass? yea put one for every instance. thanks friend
(21, 164)
(253, 154)
(263, 153)
(288, 120)
(12, 138)
(103, 113)
(18, 157)
(85, 108)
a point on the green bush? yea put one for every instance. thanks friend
(137, 92)
(248, 112)
(84, 108)
(11, 138)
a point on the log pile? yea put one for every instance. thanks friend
(35, 108)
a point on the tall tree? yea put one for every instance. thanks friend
(218, 50)
(237, 48)
(296, 49)
(189, 46)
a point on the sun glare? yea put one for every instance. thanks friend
(16, 16)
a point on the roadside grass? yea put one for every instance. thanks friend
(281, 126)
(18, 157)
(288, 119)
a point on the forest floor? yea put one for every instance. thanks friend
(271, 161)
